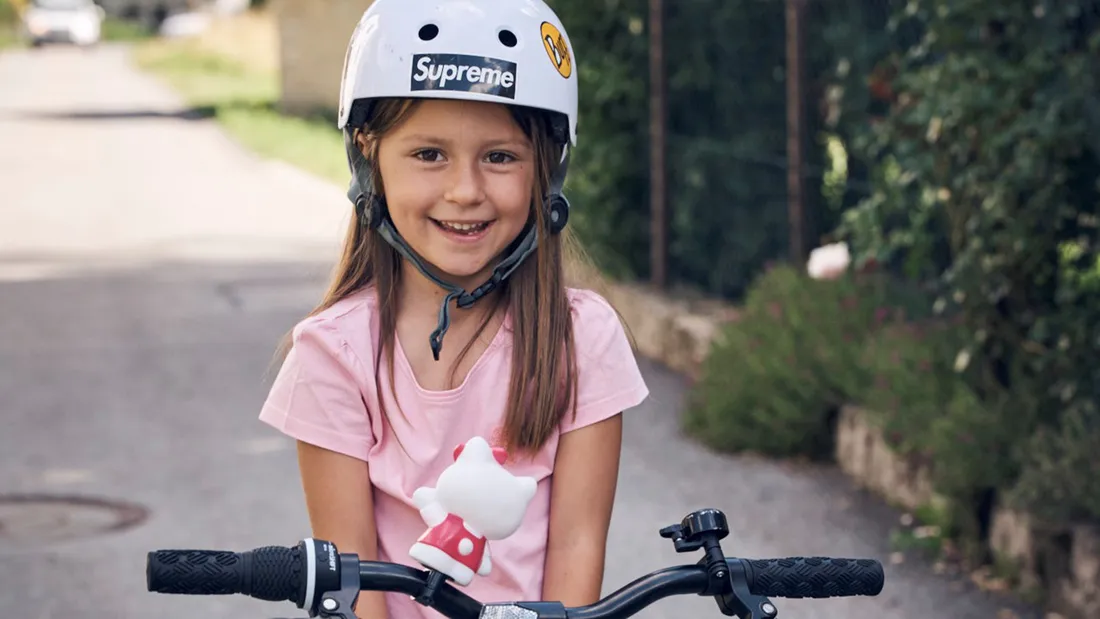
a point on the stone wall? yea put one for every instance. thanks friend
(862, 452)
(1063, 564)
(313, 37)
(674, 329)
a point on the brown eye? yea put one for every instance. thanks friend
(428, 155)
(500, 157)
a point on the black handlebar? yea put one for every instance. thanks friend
(316, 577)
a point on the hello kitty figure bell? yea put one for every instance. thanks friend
(474, 500)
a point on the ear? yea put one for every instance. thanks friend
(501, 455)
(361, 142)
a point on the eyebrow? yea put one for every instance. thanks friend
(437, 141)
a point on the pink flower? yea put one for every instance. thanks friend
(880, 315)
(829, 261)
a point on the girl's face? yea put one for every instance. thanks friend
(458, 178)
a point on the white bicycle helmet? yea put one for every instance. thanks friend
(514, 52)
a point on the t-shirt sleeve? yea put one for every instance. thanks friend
(608, 378)
(315, 397)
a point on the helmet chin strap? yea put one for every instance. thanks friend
(463, 299)
(368, 206)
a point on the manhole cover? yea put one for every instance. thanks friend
(32, 519)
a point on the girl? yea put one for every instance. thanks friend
(457, 117)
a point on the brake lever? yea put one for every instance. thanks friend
(741, 602)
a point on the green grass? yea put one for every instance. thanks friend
(121, 31)
(243, 100)
(9, 26)
(9, 23)
(8, 37)
(114, 31)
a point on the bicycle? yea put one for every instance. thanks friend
(324, 582)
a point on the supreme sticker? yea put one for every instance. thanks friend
(459, 72)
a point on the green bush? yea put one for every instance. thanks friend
(774, 377)
(1061, 480)
(912, 380)
(927, 411)
(1061, 477)
(986, 172)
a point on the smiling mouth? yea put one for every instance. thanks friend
(468, 229)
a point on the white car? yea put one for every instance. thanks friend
(72, 21)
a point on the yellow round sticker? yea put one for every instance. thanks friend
(557, 49)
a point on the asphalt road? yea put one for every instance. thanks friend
(148, 266)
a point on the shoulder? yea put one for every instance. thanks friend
(589, 304)
(321, 395)
(609, 380)
(344, 327)
(596, 324)
(346, 315)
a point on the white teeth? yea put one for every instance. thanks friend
(461, 227)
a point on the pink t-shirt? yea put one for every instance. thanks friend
(325, 394)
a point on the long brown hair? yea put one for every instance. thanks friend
(543, 385)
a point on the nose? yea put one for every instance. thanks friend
(467, 185)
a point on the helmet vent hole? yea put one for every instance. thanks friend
(428, 32)
(507, 38)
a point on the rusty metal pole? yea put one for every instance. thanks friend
(796, 128)
(658, 192)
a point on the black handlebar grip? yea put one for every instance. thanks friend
(273, 573)
(814, 577)
(194, 572)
